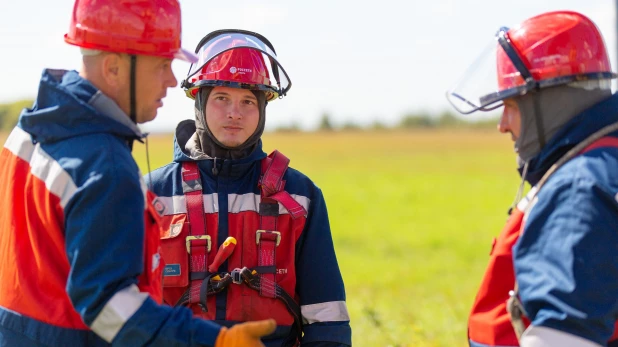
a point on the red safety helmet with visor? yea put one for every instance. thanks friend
(237, 58)
(548, 50)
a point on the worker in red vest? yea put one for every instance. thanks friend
(80, 261)
(247, 237)
(552, 278)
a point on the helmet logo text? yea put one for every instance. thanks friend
(240, 70)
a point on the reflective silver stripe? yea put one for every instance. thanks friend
(20, 144)
(251, 202)
(176, 204)
(523, 203)
(538, 336)
(236, 203)
(117, 311)
(57, 181)
(333, 311)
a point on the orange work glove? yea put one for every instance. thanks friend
(245, 334)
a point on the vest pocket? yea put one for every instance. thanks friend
(174, 252)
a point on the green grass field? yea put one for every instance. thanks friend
(413, 215)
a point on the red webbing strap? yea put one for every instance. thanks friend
(273, 168)
(272, 184)
(267, 238)
(267, 245)
(197, 243)
(294, 208)
(602, 142)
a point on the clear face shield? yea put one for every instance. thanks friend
(499, 73)
(273, 79)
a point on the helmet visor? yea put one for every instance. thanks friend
(219, 44)
(497, 74)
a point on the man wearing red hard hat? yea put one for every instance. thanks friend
(79, 241)
(552, 279)
(247, 237)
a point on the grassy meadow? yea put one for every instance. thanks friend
(413, 215)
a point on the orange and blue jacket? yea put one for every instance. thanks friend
(563, 253)
(79, 240)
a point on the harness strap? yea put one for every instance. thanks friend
(272, 184)
(198, 243)
(597, 140)
(211, 285)
(268, 238)
(256, 282)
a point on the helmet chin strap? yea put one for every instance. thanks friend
(133, 114)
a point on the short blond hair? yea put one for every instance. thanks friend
(86, 52)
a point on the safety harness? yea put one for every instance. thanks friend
(261, 278)
(598, 139)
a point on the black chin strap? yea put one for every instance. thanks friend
(133, 114)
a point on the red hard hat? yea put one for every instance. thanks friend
(553, 45)
(240, 65)
(129, 26)
(551, 49)
(238, 59)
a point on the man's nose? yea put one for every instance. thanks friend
(503, 124)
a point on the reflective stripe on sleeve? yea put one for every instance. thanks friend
(332, 311)
(539, 336)
(57, 180)
(117, 311)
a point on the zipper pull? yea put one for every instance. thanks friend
(215, 170)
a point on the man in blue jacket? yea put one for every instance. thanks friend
(80, 260)
(553, 79)
(247, 237)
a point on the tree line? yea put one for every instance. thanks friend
(9, 113)
(412, 120)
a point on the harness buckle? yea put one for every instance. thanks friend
(236, 277)
(197, 237)
(260, 232)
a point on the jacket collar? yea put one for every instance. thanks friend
(230, 168)
(68, 105)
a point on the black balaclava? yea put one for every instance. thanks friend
(556, 106)
(205, 142)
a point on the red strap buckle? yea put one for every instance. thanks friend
(198, 238)
(268, 235)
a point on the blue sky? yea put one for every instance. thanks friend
(358, 60)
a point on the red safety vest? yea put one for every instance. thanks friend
(489, 323)
(262, 262)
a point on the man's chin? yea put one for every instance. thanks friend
(231, 143)
(147, 118)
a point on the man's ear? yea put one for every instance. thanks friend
(112, 69)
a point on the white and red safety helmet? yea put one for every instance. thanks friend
(238, 59)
